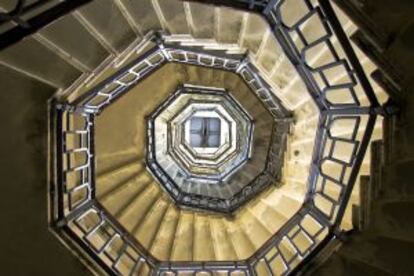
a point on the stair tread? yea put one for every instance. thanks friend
(109, 22)
(174, 15)
(148, 229)
(203, 244)
(182, 248)
(242, 245)
(163, 242)
(202, 17)
(223, 247)
(31, 57)
(67, 32)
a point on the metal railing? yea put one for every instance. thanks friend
(181, 193)
(344, 130)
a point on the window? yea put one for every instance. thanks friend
(205, 132)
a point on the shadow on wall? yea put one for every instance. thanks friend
(27, 246)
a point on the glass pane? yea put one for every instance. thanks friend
(213, 140)
(214, 124)
(196, 124)
(195, 140)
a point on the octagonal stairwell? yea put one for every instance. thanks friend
(124, 186)
(138, 202)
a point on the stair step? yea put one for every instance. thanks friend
(223, 247)
(202, 20)
(377, 163)
(241, 243)
(143, 13)
(269, 53)
(132, 213)
(163, 242)
(173, 15)
(393, 133)
(116, 179)
(254, 229)
(110, 24)
(33, 59)
(229, 24)
(287, 205)
(67, 33)
(110, 162)
(365, 206)
(182, 249)
(271, 218)
(149, 227)
(254, 32)
(124, 195)
(203, 243)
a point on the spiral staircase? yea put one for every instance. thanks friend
(110, 64)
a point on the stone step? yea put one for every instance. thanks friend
(120, 198)
(228, 23)
(143, 14)
(254, 32)
(203, 246)
(172, 15)
(240, 241)
(272, 218)
(254, 228)
(109, 185)
(164, 239)
(202, 19)
(109, 24)
(182, 248)
(67, 33)
(362, 219)
(132, 214)
(33, 59)
(149, 226)
(397, 140)
(223, 247)
(376, 171)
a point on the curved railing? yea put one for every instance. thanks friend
(344, 130)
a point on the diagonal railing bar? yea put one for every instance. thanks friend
(113, 87)
(107, 239)
(354, 174)
(346, 44)
(251, 5)
(121, 82)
